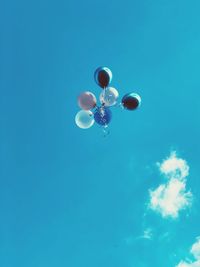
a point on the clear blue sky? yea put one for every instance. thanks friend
(69, 197)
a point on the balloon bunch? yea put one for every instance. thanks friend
(102, 114)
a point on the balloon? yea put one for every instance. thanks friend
(87, 100)
(103, 76)
(84, 119)
(109, 96)
(103, 116)
(131, 101)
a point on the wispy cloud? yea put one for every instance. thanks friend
(147, 234)
(195, 251)
(171, 197)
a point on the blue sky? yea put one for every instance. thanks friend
(69, 197)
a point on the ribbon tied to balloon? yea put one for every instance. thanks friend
(101, 114)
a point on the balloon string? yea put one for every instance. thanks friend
(105, 128)
(104, 92)
(120, 105)
(106, 131)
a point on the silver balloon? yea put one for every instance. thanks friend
(109, 96)
(87, 100)
(84, 119)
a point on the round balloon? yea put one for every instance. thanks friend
(84, 119)
(109, 96)
(103, 76)
(131, 101)
(87, 100)
(103, 116)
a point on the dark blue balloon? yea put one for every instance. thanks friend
(131, 101)
(103, 116)
(103, 76)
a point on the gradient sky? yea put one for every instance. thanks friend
(69, 197)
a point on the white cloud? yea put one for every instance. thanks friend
(171, 197)
(195, 251)
(174, 167)
(168, 199)
(190, 264)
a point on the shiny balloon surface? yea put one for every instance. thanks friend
(103, 76)
(84, 119)
(103, 116)
(131, 101)
(109, 96)
(87, 100)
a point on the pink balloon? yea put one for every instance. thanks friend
(87, 100)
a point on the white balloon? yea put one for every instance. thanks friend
(84, 119)
(109, 96)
